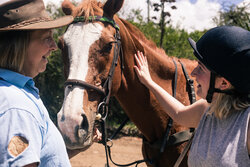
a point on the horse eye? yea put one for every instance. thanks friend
(107, 48)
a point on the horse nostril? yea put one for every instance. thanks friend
(82, 130)
(84, 124)
(82, 133)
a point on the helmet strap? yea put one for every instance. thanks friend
(211, 89)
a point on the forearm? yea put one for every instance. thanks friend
(188, 116)
(170, 105)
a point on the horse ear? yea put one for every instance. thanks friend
(111, 7)
(68, 7)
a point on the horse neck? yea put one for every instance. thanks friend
(139, 104)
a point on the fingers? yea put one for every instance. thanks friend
(140, 59)
(97, 136)
(141, 68)
(141, 56)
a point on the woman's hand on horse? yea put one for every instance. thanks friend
(97, 136)
(141, 69)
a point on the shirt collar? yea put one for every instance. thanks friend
(16, 79)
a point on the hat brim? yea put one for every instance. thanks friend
(198, 55)
(60, 22)
(196, 52)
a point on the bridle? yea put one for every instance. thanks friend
(105, 91)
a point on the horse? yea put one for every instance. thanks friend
(89, 46)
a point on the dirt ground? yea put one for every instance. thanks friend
(124, 150)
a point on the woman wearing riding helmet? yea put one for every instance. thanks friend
(222, 116)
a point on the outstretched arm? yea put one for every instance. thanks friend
(188, 116)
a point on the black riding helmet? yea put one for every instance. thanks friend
(225, 51)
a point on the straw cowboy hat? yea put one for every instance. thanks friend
(28, 15)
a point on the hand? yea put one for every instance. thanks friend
(97, 135)
(141, 68)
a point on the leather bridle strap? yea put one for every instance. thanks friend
(76, 82)
(170, 120)
(190, 84)
(192, 130)
(108, 82)
(97, 18)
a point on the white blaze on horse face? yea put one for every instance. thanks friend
(78, 38)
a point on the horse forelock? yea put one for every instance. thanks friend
(86, 8)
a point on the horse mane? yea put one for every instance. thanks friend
(142, 38)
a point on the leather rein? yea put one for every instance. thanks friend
(105, 92)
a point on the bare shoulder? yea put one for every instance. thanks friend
(199, 107)
(196, 111)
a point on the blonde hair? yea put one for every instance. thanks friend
(225, 105)
(13, 49)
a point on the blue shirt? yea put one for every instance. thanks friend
(22, 113)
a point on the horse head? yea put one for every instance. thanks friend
(88, 46)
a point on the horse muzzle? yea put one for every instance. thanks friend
(75, 135)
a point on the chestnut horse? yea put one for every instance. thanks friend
(88, 49)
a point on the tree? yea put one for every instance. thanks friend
(234, 15)
(164, 14)
(148, 3)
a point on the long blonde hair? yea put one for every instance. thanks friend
(13, 49)
(225, 105)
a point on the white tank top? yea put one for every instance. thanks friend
(221, 143)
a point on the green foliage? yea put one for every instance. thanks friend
(176, 44)
(235, 15)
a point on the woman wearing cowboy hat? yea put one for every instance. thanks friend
(222, 117)
(27, 136)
